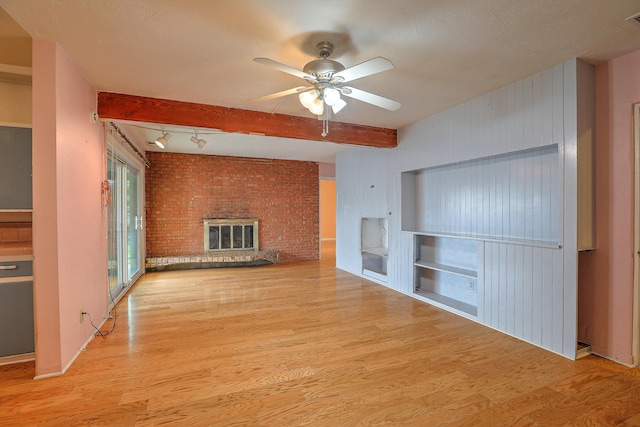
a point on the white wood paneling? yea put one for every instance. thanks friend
(452, 199)
(500, 168)
(525, 285)
(364, 197)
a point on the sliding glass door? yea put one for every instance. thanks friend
(124, 226)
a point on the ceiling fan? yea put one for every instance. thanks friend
(328, 80)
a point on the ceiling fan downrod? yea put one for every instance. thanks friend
(324, 49)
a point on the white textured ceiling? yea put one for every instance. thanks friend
(444, 51)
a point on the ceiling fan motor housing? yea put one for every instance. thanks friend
(323, 69)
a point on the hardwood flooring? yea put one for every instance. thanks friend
(306, 344)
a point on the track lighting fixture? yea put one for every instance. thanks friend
(163, 140)
(198, 141)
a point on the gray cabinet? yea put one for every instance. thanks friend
(15, 168)
(16, 308)
(16, 318)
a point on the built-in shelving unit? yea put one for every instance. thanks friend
(446, 268)
(446, 271)
(375, 251)
(506, 198)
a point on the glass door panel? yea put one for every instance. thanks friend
(124, 227)
(134, 224)
(114, 229)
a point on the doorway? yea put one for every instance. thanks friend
(124, 229)
(327, 209)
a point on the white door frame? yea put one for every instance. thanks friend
(127, 160)
(636, 237)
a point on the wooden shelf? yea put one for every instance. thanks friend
(446, 268)
(448, 302)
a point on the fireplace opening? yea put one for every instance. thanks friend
(230, 235)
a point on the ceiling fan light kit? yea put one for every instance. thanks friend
(327, 78)
(307, 98)
(331, 96)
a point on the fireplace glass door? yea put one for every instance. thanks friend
(225, 235)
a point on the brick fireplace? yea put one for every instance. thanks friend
(184, 190)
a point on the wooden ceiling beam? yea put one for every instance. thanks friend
(114, 106)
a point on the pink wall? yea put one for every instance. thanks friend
(605, 295)
(45, 215)
(69, 228)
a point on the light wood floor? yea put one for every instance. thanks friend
(306, 344)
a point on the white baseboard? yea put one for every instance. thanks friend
(18, 358)
(73, 359)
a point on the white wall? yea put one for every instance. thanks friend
(528, 288)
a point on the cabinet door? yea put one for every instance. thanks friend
(15, 168)
(16, 318)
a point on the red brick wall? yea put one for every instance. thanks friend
(184, 189)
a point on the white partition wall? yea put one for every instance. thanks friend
(497, 173)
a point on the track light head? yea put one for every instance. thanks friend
(198, 141)
(163, 140)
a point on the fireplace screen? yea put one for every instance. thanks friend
(230, 235)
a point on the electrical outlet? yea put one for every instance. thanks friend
(81, 316)
(471, 285)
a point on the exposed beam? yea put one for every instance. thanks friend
(114, 106)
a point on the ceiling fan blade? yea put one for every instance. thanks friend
(370, 98)
(280, 94)
(364, 69)
(282, 67)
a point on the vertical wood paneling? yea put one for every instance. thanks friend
(491, 193)
(536, 297)
(519, 300)
(475, 181)
(547, 107)
(365, 196)
(558, 305)
(528, 292)
(557, 113)
(502, 285)
(569, 209)
(481, 283)
(491, 285)
(547, 284)
(510, 284)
